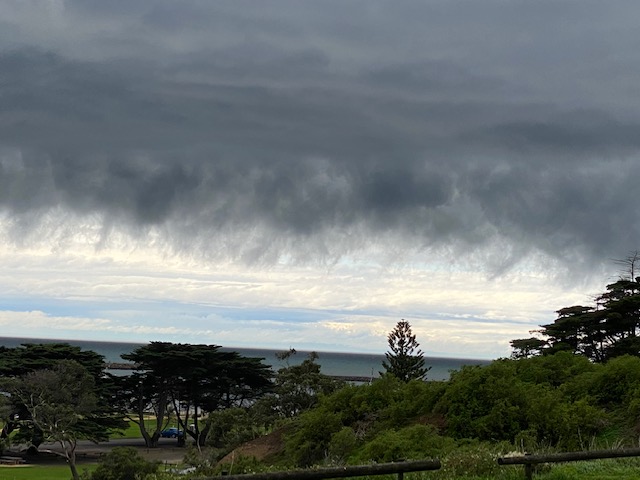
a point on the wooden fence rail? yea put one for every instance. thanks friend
(529, 460)
(339, 472)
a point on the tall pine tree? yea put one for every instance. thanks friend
(405, 360)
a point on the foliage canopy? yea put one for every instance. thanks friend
(123, 463)
(61, 402)
(191, 380)
(605, 330)
(25, 360)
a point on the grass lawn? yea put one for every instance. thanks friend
(627, 469)
(611, 469)
(133, 431)
(40, 472)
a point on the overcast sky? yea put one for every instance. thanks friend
(307, 173)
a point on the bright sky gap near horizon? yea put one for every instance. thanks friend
(306, 173)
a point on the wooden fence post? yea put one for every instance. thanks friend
(528, 469)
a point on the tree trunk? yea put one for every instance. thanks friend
(7, 429)
(69, 447)
(203, 434)
(74, 469)
(150, 441)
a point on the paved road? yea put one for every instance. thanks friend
(116, 442)
(166, 452)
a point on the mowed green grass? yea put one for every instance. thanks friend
(133, 431)
(591, 470)
(626, 469)
(41, 472)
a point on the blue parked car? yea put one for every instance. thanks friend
(172, 432)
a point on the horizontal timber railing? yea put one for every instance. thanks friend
(340, 472)
(530, 460)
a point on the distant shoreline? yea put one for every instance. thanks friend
(302, 352)
(335, 364)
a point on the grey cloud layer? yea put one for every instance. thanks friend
(438, 122)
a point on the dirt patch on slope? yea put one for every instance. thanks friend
(261, 448)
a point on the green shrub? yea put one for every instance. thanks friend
(618, 381)
(416, 399)
(488, 403)
(229, 428)
(241, 465)
(123, 463)
(511, 400)
(410, 443)
(554, 370)
(342, 444)
(473, 460)
(309, 443)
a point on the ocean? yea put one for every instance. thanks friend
(331, 363)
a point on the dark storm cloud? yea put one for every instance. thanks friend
(439, 123)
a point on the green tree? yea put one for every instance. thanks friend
(141, 393)
(32, 357)
(576, 330)
(608, 329)
(60, 402)
(405, 361)
(296, 389)
(193, 380)
(527, 347)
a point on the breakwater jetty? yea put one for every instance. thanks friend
(133, 366)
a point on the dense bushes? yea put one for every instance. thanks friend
(229, 428)
(536, 399)
(487, 403)
(409, 443)
(617, 382)
(310, 441)
(383, 421)
(559, 401)
(123, 463)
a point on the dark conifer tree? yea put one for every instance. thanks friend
(609, 329)
(405, 361)
(30, 358)
(194, 380)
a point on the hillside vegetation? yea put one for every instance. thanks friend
(556, 402)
